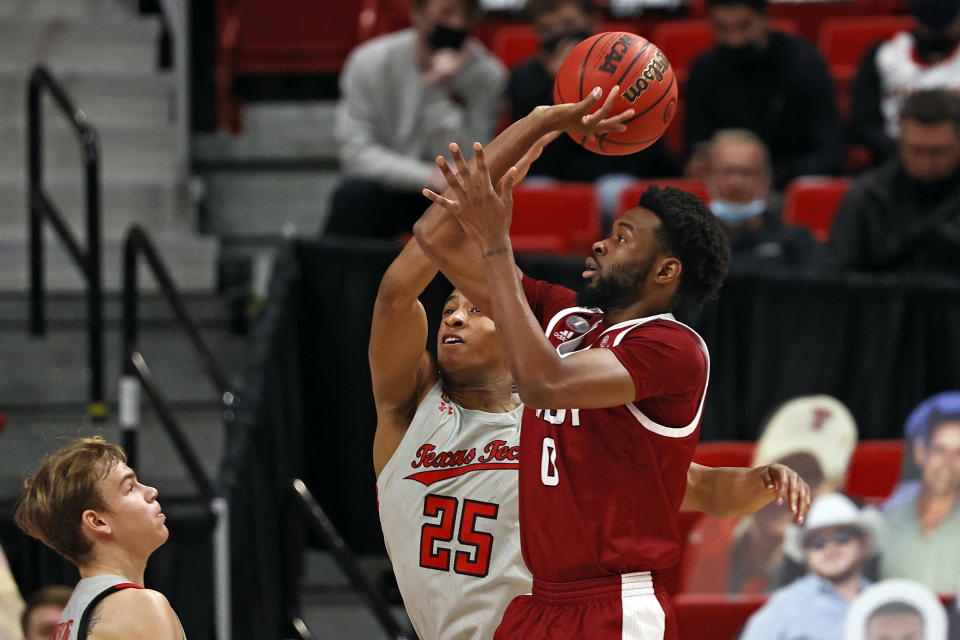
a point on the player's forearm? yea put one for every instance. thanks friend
(726, 492)
(407, 276)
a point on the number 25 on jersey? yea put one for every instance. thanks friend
(434, 554)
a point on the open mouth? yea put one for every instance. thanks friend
(452, 340)
(592, 268)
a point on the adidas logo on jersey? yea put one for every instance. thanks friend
(563, 336)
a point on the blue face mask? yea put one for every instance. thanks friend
(734, 213)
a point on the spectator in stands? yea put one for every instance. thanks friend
(42, 613)
(739, 184)
(11, 604)
(561, 24)
(896, 610)
(922, 532)
(815, 436)
(915, 433)
(928, 57)
(404, 97)
(774, 84)
(905, 214)
(835, 540)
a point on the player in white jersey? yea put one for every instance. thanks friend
(446, 451)
(86, 504)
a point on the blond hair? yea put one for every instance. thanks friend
(65, 484)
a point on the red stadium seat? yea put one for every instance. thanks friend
(514, 43)
(812, 202)
(560, 218)
(875, 469)
(717, 617)
(724, 453)
(683, 40)
(630, 195)
(844, 41)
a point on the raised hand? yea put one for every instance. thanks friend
(789, 488)
(575, 117)
(484, 211)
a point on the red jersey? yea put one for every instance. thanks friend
(600, 489)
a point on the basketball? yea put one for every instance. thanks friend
(647, 85)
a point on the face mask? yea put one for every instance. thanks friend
(551, 45)
(443, 37)
(733, 213)
(934, 46)
(748, 54)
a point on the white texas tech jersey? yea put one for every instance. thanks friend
(448, 509)
(902, 74)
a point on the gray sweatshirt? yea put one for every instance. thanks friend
(391, 126)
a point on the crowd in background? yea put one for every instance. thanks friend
(406, 95)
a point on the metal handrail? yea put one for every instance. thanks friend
(136, 375)
(347, 562)
(40, 207)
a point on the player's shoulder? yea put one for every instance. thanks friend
(134, 613)
(665, 329)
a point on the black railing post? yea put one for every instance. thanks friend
(40, 208)
(38, 318)
(129, 332)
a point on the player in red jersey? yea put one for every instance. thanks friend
(614, 388)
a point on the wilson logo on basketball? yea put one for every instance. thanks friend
(653, 73)
(612, 60)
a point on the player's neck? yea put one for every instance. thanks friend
(492, 397)
(114, 562)
(642, 308)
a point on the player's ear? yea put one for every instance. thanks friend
(93, 522)
(668, 269)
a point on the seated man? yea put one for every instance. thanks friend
(86, 504)
(925, 58)
(738, 182)
(561, 24)
(814, 435)
(905, 214)
(404, 96)
(836, 541)
(42, 613)
(922, 533)
(771, 83)
(896, 610)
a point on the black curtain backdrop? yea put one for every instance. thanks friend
(880, 345)
(181, 569)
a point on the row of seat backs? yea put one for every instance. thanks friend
(565, 217)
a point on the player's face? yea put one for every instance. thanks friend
(42, 622)
(738, 26)
(895, 626)
(737, 172)
(136, 520)
(930, 152)
(619, 269)
(467, 337)
(834, 552)
(940, 460)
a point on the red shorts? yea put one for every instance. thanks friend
(631, 606)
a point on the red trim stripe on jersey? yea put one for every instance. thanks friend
(427, 478)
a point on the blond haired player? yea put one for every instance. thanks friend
(446, 454)
(86, 504)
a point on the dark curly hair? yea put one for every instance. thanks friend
(690, 231)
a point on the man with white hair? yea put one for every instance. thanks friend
(835, 542)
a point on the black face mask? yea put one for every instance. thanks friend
(551, 45)
(745, 55)
(933, 46)
(447, 38)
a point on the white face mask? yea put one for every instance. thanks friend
(733, 213)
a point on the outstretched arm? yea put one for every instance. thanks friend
(439, 233)
(732, 492)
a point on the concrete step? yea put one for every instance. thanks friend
(284, 131)
(269, 202)
(120, 100)
(191, 259)
(135, 154)
(74, 9)
(30, 434)
(111, 43)
(151, 204)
